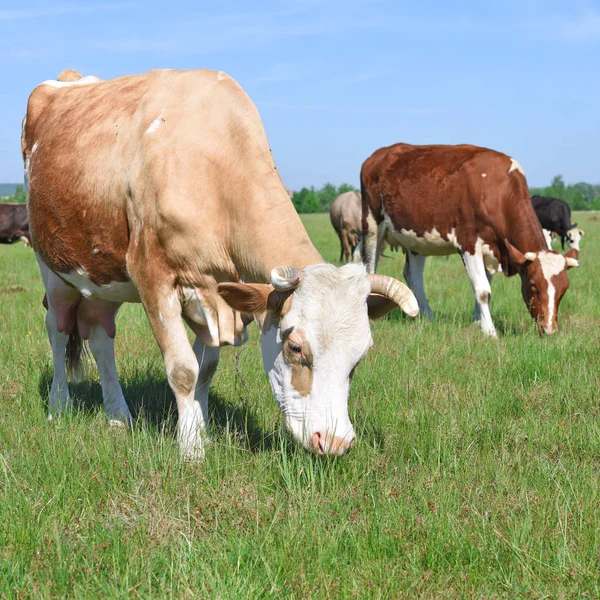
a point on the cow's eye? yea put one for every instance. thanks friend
(295, 348)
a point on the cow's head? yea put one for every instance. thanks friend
(574, 236)
(314, 331)
(543, 283)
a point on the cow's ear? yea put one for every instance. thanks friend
(247, 298)
(517, 256)
(260, 300)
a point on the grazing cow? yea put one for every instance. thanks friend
(555, 216)
(160, 188)
(345, 214)
(14, 224)
(437, 200)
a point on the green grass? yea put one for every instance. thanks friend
(474, 474)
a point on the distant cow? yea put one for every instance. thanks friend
(14, 224)
(555, 216)
(438, 200)
(345, 214)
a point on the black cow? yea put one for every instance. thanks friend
(554, 215)
(14, 223)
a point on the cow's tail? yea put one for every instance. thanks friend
(369, 242)
(75, 355)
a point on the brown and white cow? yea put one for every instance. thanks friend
(14, 224)
(161, 189)
(438, 200)
(346, 217)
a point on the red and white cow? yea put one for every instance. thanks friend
(161, 189)
(439, 200)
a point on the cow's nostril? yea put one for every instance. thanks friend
(328, 444)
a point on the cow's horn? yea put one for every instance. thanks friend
(531, 256)
(396, 291)
(571, 262)
(285, 278)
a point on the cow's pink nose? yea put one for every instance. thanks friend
(329, 444)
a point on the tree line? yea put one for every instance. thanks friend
(579, 196)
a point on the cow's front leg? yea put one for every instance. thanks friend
(482, 290)
(164, 314)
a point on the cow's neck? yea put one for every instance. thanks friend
(526, 232)
(282, 240)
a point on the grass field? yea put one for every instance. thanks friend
(474, 474)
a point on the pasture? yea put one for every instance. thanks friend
(474, 474)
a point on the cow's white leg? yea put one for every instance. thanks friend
(482, 290)
(477, 309)
(413, 273)
(371, 243)
(208, 360)
(163, 309)
(59, 391)
(103, 349)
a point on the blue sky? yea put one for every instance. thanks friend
(334, 81)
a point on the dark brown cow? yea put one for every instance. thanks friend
(14, 224)
(345, 215)
(438, 200)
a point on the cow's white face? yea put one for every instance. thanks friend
(313, 337)
(310, 354)
(574, 237)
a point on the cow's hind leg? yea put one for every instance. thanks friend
(103, 349)
(413, 273)
(208, 360)
(345, 246)
(60, 302)
(482, 290)
(59, 391)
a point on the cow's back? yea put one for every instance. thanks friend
(110, 158)
(457, 190)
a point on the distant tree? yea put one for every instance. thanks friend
(579, 196)
(309, 200)
(327, 194)
(306, 201)
(19, 196)
(346, 187)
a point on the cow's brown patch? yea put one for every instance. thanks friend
(301, 362)
(302, 377)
